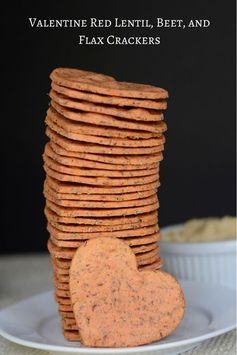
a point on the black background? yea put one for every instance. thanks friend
(196, 66)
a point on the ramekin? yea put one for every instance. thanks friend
(211, 262)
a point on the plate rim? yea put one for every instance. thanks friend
(142, 348)
(137, 349)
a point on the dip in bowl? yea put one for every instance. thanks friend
(201, 249)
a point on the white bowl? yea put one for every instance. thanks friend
(212, 263)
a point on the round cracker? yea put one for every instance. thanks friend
(79, 212)
(107, 120)
(101, 204)
(98, 83)
(62, 157)
(70, 327)
(62, 293)
(91, 229)
(100, 181)
(110, 141)
(110, 100)
(126, 233)
(96, 129)
(68, 320)
(71, 335)
(155, 265)
(74, 170)
(137, 114)
(75, 188)
(82, 147)
(111, 163)
(89, 197)
(65, 301)
(103, 221)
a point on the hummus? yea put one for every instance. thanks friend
(203, 230)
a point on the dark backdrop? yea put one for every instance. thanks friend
(197, 67)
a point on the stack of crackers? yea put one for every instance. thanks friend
(102, 171)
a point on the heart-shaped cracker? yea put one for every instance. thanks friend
(114, 304)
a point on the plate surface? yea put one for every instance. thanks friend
(35, 322)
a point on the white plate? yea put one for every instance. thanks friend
(34, 322)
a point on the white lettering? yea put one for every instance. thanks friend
(199, 23)
(160, 22)
(32, 21)
(95, 22)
